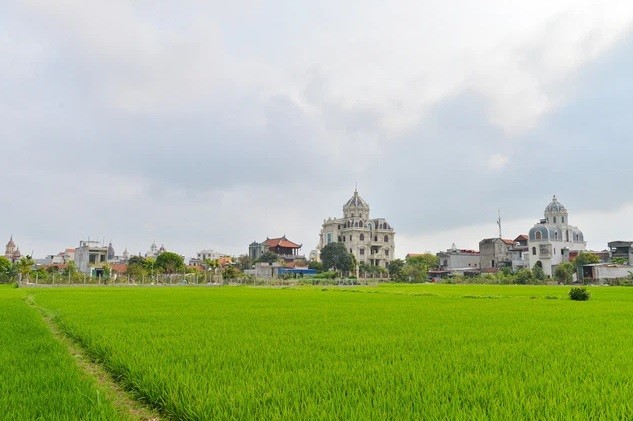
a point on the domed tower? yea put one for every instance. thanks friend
(356, 207)
(11, 248)
(556, 213)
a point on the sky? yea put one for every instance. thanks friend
(210, 125)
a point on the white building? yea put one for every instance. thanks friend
(455, 258)
(91, 257)
(370, 240)
(551, 240)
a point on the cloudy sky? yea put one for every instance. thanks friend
(206, 124)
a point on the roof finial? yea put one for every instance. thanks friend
(356, 187)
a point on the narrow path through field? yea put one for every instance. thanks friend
(123, 401)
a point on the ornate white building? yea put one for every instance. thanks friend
(370, 240)
(551, 240)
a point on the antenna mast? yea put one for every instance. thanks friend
(499, 222)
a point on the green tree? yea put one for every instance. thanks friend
(415, 273)
(6, 270)
(564, 273)
(169, 262)
(395, 268)
(268, 257)
(335, 256)
(538, 272)
(25, 267)
(524, 276)
(318, 266)
(244, 262)
(136, 268)
(230, 272)
(584, 258)
(427, 260)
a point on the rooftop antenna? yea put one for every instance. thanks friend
(499, 222)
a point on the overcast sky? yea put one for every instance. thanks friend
(213, 124)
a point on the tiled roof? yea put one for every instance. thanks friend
(281, 242)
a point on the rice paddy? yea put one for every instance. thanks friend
(384, 352)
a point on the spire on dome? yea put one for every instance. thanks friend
(555, 206)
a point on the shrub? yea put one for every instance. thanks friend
(579, 294)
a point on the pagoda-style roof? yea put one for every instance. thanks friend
(281, 242)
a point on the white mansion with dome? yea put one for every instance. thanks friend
(551, 240)
(370, 240)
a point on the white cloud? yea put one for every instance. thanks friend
(497, 162)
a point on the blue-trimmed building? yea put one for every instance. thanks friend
(551, 240)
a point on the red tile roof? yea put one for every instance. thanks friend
(281, 242)
(521, 237)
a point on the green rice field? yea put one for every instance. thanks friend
(38, 378)
(382, 352)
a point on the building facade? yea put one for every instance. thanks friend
(91, 257)
(455, 258)
(552, 239)
(495, 253)
(370, 240)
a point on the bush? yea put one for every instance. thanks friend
(579, 294)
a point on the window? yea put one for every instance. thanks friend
(361, 251)
(350, 251)
(387, 252)
(375, 238)
(556, 235)
(554, 219)
(538, 235)
(339, 239)
(351, 238)
(533, 251)
(329, 237)
(567, 235)
(562, 219)
(386, 238)
(362, 237)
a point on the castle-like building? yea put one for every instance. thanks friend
(551, 240)
(370, 240)
(12, 251)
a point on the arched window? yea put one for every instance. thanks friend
(362, 237)
(386, 238)
(387, 252)
(533, 251)
(356, 224)
(554, 219)
(562, 219)
(538, 235)
(360, 224)
(567, 235)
